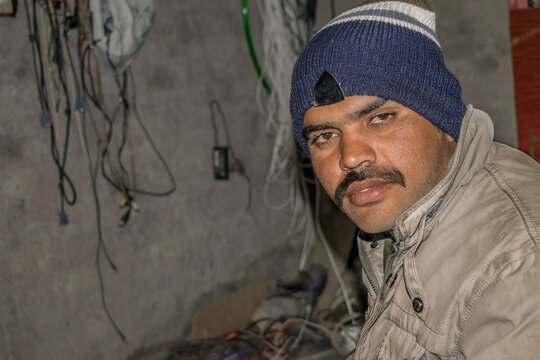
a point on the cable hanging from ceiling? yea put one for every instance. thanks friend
(98, 31)
(285, 31)
(287, 27)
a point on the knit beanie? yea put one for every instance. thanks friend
(387, 49)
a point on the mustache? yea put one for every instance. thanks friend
(390, 175)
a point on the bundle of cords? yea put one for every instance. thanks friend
(286, 336)
(48, 33)
(285, 32)
(64, 88)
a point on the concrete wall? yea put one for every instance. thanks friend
(475, 37)
(181, 252)
(178, 253)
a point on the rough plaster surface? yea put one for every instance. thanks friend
(475, 37)
(179, 253)
(182, 252)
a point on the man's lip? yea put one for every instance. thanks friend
(367, 191)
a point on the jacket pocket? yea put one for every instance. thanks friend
(400, 345)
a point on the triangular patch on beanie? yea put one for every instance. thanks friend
(327, 90)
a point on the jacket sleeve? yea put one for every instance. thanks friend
(504, 322)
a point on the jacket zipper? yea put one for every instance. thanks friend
(374, 315)
(390, 260)
(375, 311)
(367, 270)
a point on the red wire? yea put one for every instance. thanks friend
(274, 332)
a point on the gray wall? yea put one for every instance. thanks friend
(475, 38)
(182, 252)
(179, 253)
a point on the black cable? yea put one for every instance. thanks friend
(41, 80)
(33, 37)
(93, 177)
(236, 164)
(127, 190)
(152, 144)
(124, 125)
(70, 59)
(118, 184)
(125, 174)
(60, 160)
(123, 187)
(86, 63)
(122, 90)
(102, 292)
(100, 243)
(214, 103)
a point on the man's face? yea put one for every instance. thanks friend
(375, 157)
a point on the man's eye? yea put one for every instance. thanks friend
(323, 137)
(380, 118)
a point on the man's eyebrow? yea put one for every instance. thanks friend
(312, 128)
(375, 104)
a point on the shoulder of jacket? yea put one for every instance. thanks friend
(518, 177)
(505, 299)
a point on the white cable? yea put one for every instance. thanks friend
(327, 332)
(344, 338)
(283, 36)
(309, 238)
(331, 258)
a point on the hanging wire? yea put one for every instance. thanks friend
(236, 165)
(63, 88)
(285, 32)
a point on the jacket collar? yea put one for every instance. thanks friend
(472, 152)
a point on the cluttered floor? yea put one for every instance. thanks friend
(283, 322)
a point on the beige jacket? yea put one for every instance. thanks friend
(464, 279)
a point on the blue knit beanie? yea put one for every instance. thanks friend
(387, 49)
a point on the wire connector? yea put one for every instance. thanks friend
(221, 162)
(79, 104)
(45, 119)
(96, 101)
(63, 218)
(72, 22)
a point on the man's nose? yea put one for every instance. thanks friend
(356, 152)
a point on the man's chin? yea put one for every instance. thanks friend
(375, 230)
(371, 225)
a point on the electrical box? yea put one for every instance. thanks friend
(221, 163)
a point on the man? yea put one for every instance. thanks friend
(456, 274)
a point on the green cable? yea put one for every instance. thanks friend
(250, 46)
